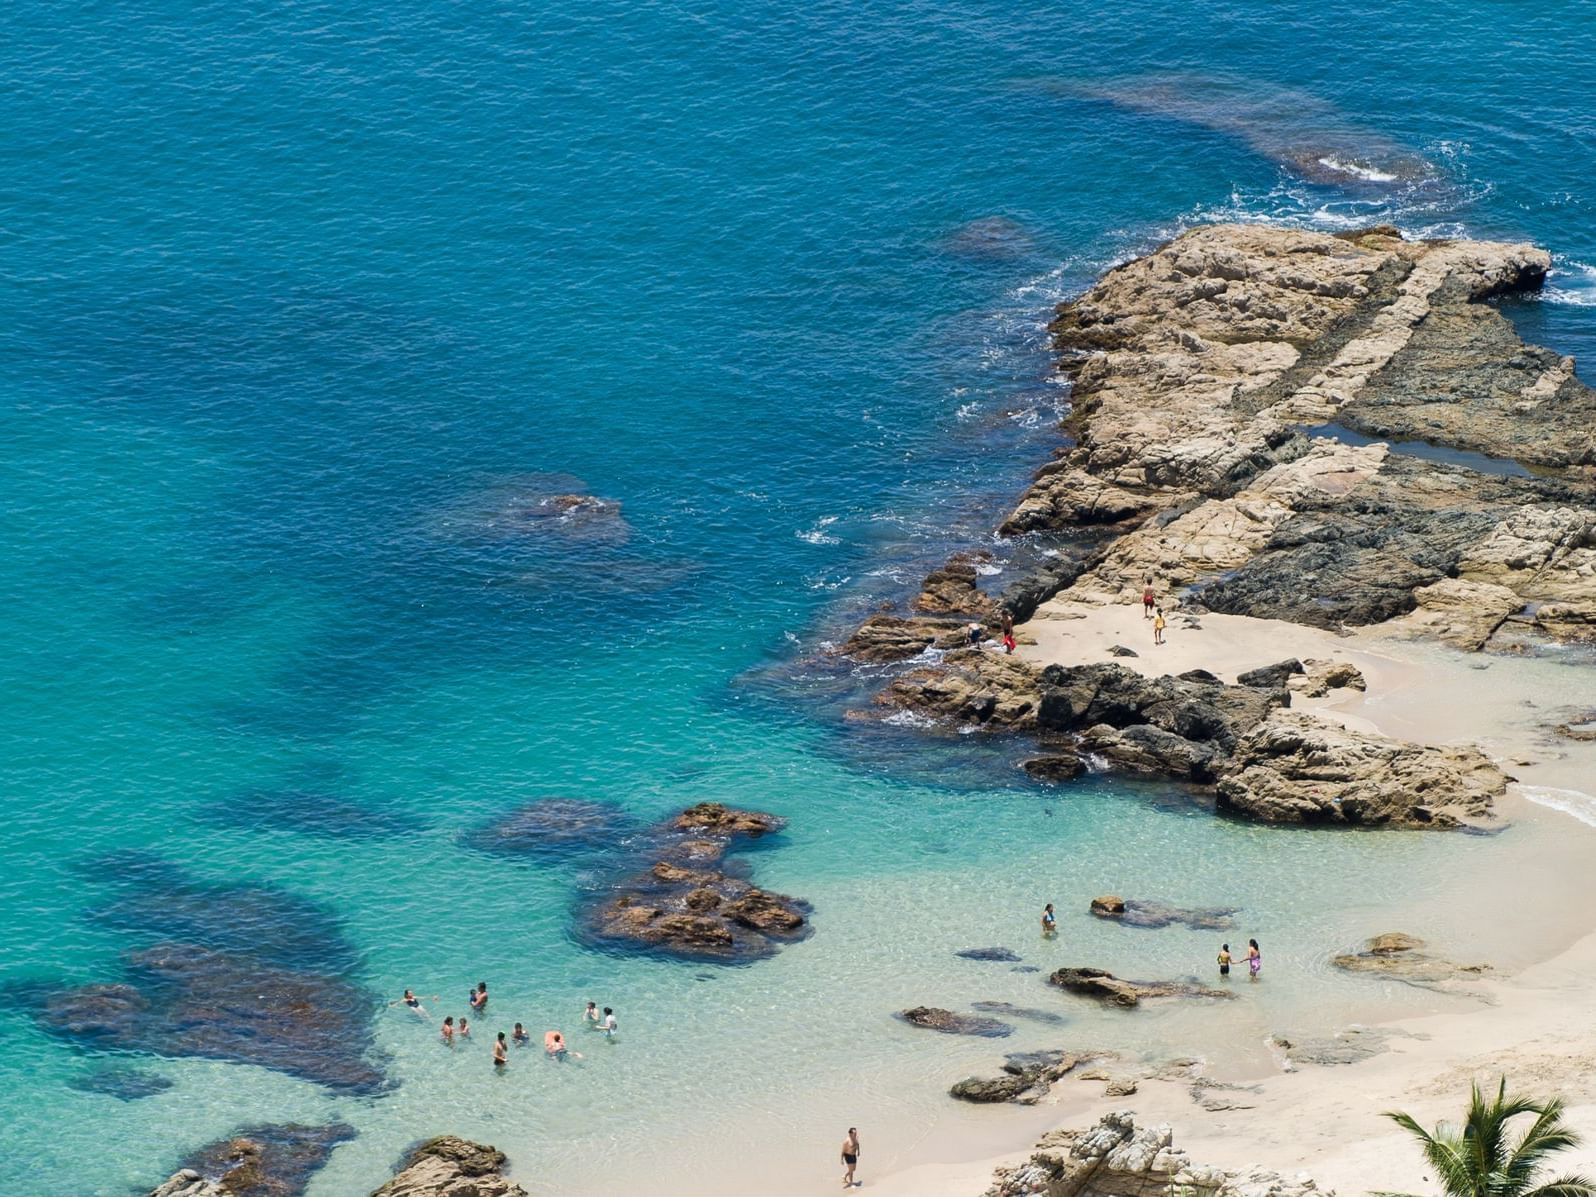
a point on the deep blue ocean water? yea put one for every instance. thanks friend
(302, 304)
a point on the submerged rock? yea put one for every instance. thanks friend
(1009, 1010)
(267, 1161)
(451, 1167)
(1135, 912)
(187, 1000)
(310, 812)
(551, 828)
(1105, 986)
(124, 1084)
(1005, 955)
(933, 1018)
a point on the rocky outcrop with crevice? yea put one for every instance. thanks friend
(451, 1167)
(1398, 956)
(1116, 991)
(1223, 386)
(1119, 1158)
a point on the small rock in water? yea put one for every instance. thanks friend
(1003, 954)
(933, 1018)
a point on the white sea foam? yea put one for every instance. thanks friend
(988, 570)
(1571, 802)
(909, 719)
(1367, 173)
(818, 534)
(1572, 283)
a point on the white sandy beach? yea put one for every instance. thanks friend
(1534, 1026)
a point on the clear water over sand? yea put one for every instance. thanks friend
(294, 298)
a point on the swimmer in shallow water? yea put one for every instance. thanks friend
(448, 1031)
(479, 998)
(520, 1036)
(501, 1055)
(554, 1044)
(411, 1002)
(591, 1014)
(1224, 960)
(608, 1026)
(465, 1027)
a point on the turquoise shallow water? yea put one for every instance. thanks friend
(296, 300)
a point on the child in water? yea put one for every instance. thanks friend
(448, 1031)
(1224, 960)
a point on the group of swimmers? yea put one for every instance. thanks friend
(1254, 954)
(554, 1044)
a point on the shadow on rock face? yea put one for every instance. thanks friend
(269, 1161)
(552, 829)
(124, 1084)
(309, 812)
(185, 1000)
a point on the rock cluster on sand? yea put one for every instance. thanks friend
(1105, 986)
(1025, 1078)
(1212, 379)
(1402, 957)
(1118, 1158)
(689, 902)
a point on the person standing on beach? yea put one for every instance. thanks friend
(1008, 631)
(850, 1157)
(1224, 960)
(1147, 598)
(1158, 625)
(1049, 922)
(501, 1054)
(1254, 959)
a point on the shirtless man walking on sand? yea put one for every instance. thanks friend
(850, 1157)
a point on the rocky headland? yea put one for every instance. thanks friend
(1335, 431)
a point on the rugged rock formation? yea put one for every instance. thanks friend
(1134, 912)
(971, 685)
(1223, 388)
(933, 1018)
(689, 902)
(1401, 957)
(451, 1167)
(1118, 1158)
(1293, 768)
(1025, 1078)
(262, 1161)
(1105, 986)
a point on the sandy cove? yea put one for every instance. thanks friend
(1326, 1121)
(1239, 396)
